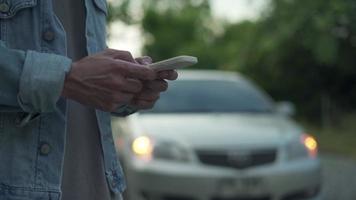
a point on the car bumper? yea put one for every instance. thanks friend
(180, 181)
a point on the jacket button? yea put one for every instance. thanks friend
(48, 36)
(45, 149)
(4, 7)
(114, 184)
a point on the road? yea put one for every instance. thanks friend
(339, 178)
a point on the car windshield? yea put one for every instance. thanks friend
(197, 96)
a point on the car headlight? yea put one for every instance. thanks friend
(147, 149)
(142, 147)
(304, 146)
(169, 150)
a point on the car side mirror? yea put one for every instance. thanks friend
(285, 108)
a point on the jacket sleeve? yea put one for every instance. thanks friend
(30, 81)
(124, 111)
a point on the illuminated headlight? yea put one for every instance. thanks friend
(304, 146)
(142, 147)
(146, 149)
(310, 144)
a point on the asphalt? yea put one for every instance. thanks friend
(339, 178)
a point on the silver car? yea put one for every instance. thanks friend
(216, 136)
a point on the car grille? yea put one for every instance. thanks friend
(239, 159)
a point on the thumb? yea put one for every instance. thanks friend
(144, 60)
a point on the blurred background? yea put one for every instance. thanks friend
(299, 51)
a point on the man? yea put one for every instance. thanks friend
(55, 132)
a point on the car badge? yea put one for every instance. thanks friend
(239, 159)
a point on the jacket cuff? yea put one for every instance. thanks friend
(124, 111)
(42, 81)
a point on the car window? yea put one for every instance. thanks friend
(211, 96)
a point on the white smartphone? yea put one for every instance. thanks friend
(174, 63)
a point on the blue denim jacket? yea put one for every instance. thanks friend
(32, 113)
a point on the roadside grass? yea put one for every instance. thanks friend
(336, 139)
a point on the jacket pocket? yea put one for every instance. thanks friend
(101, 5)
(12, 7)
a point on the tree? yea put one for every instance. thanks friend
(299, 50)
(304, 51)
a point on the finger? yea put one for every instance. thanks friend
(144, 60)
(135, 71)
(112, 102)
(148, 96)
(106, 103)
(119, 54)
(156, 85)
(122, 98)
(168, 75)
(142, 104)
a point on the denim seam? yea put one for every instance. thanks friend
(1, 123)
(29, 189)
(36, 181)
(4, 31)
(41, 7)
(101, 5)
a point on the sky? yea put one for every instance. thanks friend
(236, 10)
(129, 37)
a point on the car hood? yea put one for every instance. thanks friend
(207, 130)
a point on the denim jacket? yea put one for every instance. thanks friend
(32, 113)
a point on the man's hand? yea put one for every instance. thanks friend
(106, 80)
(152, 88)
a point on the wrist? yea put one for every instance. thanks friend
(67, 82)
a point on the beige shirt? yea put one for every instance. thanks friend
(83, 171)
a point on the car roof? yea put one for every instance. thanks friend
(211, 75)
(219, 75)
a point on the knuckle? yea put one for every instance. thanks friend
(148, 58)
(126, 53)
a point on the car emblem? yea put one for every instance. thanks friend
(239, 159)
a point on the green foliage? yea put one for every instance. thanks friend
(120, 11)
(179, 27)
(299, 50)
(304, 50)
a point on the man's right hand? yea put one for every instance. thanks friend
(106, 80)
